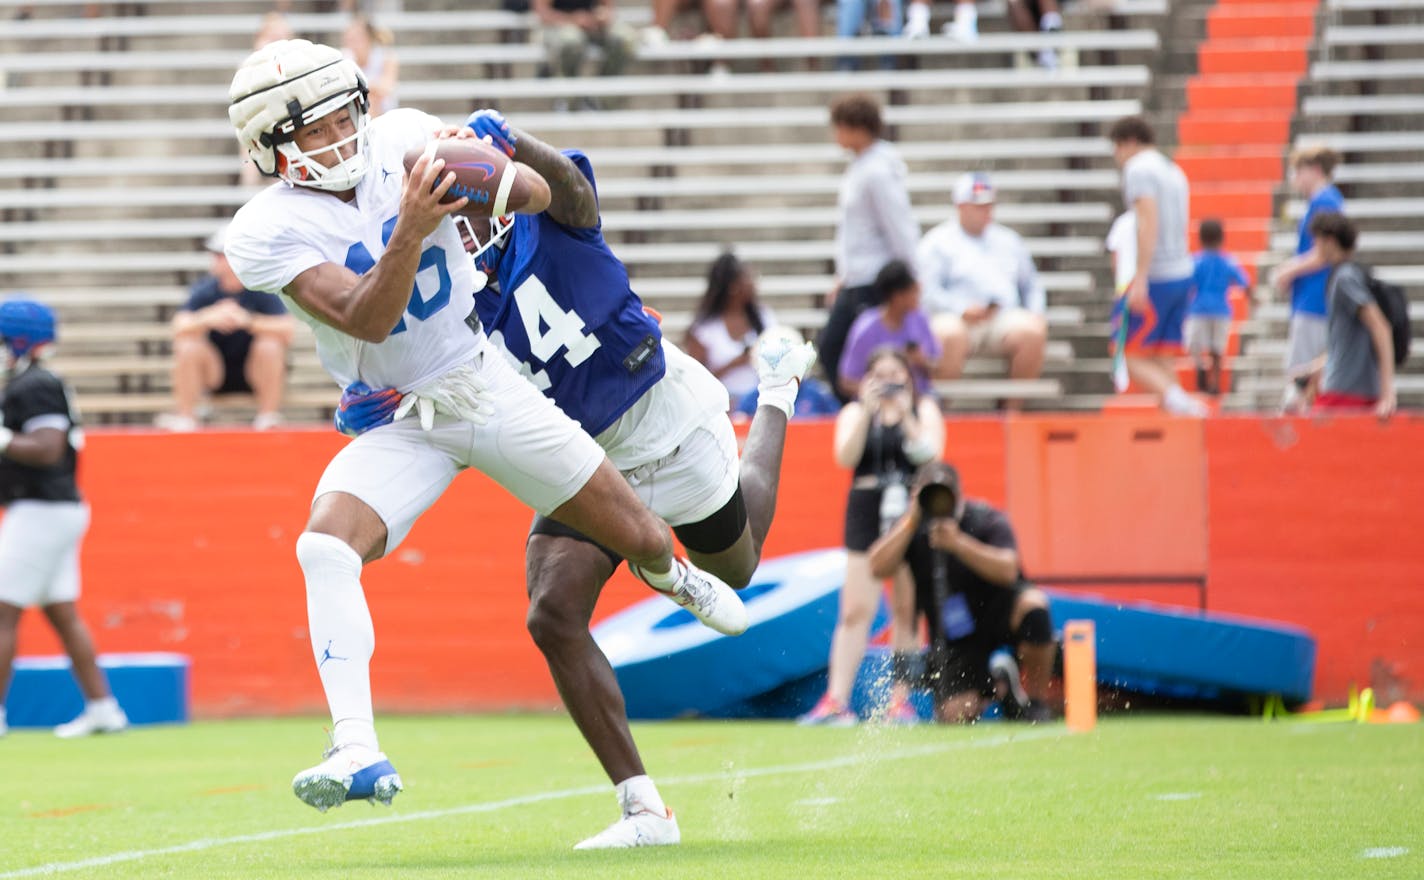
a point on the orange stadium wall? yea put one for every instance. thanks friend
(191, 548)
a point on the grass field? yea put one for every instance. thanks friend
(508, 796)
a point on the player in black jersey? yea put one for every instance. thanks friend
(45, 517)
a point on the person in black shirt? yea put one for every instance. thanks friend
(884, 436)
(228, 339)
(45, 517)
(968, 584)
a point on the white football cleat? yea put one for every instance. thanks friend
(642, 828)
(348, 773)
(104, 716)
(710, 601)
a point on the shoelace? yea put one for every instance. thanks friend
(703, 596)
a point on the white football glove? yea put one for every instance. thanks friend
(459, 393)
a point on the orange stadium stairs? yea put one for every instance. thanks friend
(1235, 131)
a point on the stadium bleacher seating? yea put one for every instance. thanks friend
(116, 161)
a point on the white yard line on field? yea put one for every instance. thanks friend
(849, 760)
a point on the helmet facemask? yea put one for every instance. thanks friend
(484, 249)
(307, 169)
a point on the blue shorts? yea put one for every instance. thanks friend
(1157, 330)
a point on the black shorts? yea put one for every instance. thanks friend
(862, 519)
(711, 535)
(233, 353)
(954, 667)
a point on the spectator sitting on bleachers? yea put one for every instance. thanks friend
(897, 321)
(721, 17)
(1357, 371)
(874, 224)
(1209, 316)
(228, 339)
(371, 47)
(964, 27)
(726, 325)
(571, 27)
(1305, 274)
(981, 288)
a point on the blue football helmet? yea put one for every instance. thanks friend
(25, 325)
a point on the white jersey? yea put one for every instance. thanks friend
(285, 230)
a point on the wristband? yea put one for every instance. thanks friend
(6, 438)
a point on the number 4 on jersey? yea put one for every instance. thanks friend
(537, 309)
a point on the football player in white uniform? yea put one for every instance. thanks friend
(371, 260)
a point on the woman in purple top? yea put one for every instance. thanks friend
(897, 320)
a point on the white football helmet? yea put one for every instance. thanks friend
(285, 86)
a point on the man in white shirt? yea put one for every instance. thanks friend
(980, 287)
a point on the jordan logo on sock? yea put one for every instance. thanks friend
(327, 655)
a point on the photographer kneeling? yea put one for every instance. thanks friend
(965, 566)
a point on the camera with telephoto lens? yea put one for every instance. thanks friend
(939, 491)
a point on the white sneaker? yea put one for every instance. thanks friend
(917, 21)
(101, 718)
(348, 773)
(963, 28)
(175, 423)
(266, 421)
(636, 829)
(710, 601)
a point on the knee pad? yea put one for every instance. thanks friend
(1035, 629)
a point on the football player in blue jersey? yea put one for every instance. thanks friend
(558, 302)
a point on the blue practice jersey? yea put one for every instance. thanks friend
(560, 303)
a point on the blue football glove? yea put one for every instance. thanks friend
(362, 409)
(493, 125)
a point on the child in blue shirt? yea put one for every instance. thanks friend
(1209, 316)
(1305, 274)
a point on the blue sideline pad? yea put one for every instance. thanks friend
(669, 664)
(1172, 652)
(151, 689)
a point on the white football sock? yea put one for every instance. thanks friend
(342, 636)
(103, 704)
(663, 581)
(637, 793)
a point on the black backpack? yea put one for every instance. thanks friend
(1395, 305)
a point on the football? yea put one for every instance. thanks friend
(494, 184)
